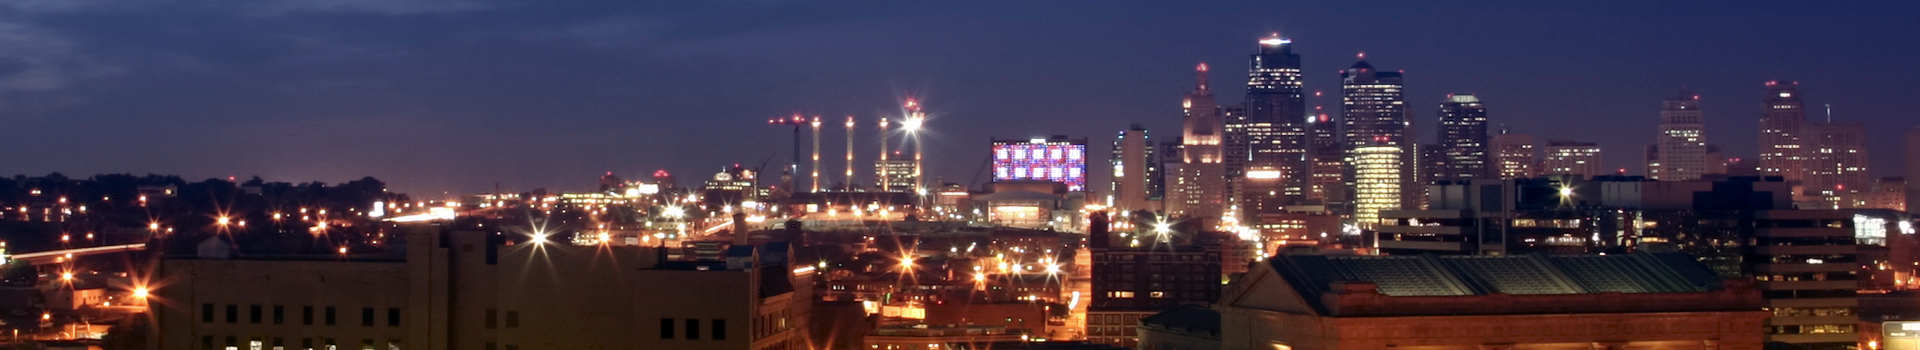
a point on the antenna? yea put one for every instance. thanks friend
(1829, 112)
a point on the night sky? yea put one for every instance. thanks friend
(438, 96)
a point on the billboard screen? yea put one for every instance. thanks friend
(1058, 161)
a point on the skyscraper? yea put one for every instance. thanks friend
(1463, 140)
(1327, 163)
(1680, 152)
(1574, 158)
(1376, 116)
(1202, 176)
(1515, 154)
(1276, 169)
(1780, 124)
(1133, 169)
(1835, 156)
(1376, 176)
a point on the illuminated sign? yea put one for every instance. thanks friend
(1058, 161)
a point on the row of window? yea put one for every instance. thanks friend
(255, 315)
(278, 343)
(692, 329)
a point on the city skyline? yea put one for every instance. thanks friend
(614, 91)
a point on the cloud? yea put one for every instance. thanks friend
(36, 60)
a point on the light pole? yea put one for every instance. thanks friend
(816, 154)
(849, 153)
(880, 168)
(915, 120)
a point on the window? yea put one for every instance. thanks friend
(693, 329)
(233, 314)
(513, 319)
(206, 316)
(493, 318)
(493, 346)
(206, 341)
(306, 318)
(719, 329)
(393, 317)
(306, 343)
(366, 320)
(367, 344)
(253, 314)
(330, 320)
(666, 328)
(279, 314)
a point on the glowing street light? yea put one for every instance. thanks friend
(140, 292)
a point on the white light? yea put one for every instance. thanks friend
(1274, 41)
(912, 124)
(1263, 174)
(1037, 141)
(1566, 191)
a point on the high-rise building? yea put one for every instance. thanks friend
(1913, 170)
(1680, 152)
(1376, 116)
(1780, 122)
(1573, 158)
(1135, 279)
(1327, 163)
(1276, 170)
(1515, 155)
(1464, 141)
(1168, 190)
(1202, 176)
(1133, 169)
(1377, 177)
(1835, 162)
(1235, 147)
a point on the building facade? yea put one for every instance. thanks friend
(1464, 141)
(1276, 170)
(1573, 158)
(1377, 186)
(1057, 159)
(1680, 151)
(1515, 155)
(1835, 164)
(1203, 180)
(1781, 118)
(1134, 165)
(1376, 116)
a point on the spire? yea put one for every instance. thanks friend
(1201, 71)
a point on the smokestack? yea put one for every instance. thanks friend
(740, 229)
(1097, 235)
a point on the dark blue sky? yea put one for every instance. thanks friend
(458, 95)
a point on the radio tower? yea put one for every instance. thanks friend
(793, 168)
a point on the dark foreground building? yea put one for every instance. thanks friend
(1621, 301)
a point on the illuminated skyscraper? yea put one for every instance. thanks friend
(1202, 176)
(1780, 123)
(1836, 163)
(1376, 176)
(1376, 115)
(1464, 141)
(1680, 152)
(1133, 169)
(1573, 158)
(1276, 170)
(1516, 156)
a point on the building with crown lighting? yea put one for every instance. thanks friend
(1276, 170)
(1464, 148)
(1201, 187)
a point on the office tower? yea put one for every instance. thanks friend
(1433, 162)
(1835, 162)
(1327, 164)
(1515, 155)
(1376, 116)
(1234, 144)
(1276, 170)
(1377, 172)
(1888, 193)
(1680, 152)
(1202, 176)
(1573, 158)
(1913, 170)
(1780, 123)
(1464, 141)
(1056, 159)
(1131, 281)
(1133, 169)
(1171, 192)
